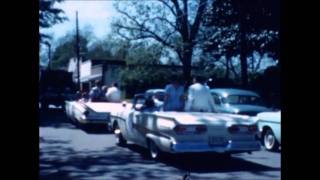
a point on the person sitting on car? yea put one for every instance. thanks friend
(114, 94)
(199, 97)
(95, 92)
(149, 105)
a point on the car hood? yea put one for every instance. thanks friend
(194, 118)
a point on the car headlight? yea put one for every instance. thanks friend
(236, 111)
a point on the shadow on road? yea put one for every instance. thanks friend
(58, 161)
(57, 118)
(205, 162)
(95, 129)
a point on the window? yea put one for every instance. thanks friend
(243, 99)
(216, 99)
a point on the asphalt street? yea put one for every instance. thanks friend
(69, 152)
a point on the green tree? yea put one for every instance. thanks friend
(175, 24)
(242, 27)
(142, 71)
(66, 49)
(49, 16)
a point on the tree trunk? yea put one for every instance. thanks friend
(243, 47)
(243, 61)
(227, 69)
(186, 61)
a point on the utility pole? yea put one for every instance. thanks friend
(77, 49)
(49, 54)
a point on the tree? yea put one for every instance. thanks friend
(142, 71)
(49, 16)
(175, 24)
(66, 50)
(243, 27)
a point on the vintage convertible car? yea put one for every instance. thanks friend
(184, 132)
(269, 124)
(86, 113)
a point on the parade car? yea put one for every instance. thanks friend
(269, 124)
(184, 132)
(92, 113)
(238, 101)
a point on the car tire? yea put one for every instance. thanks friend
(154, 152)
(269, 140)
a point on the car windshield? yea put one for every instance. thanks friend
(242, 99)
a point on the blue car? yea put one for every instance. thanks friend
(238, 101)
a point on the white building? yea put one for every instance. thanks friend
(105, 70)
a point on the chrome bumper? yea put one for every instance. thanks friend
(205, 147)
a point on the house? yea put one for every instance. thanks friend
(105, 70)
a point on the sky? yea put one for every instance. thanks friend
(95, 13)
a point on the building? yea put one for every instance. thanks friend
(105, 70)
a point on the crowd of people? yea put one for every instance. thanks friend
(196, 98)
(100, 93)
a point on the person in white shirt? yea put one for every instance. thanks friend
(113, 93)
(199, 97)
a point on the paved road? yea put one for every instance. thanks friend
(67, 152)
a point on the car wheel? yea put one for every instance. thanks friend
(120, 141)
(269, 140)
(154, 151)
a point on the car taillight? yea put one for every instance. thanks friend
(243, 129)
(190, 129)
(253, 128)
(179, 129)
(233, 129)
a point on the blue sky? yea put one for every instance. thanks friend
(94, 13)
(97, 14)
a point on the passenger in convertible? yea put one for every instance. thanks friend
(174, 97)
(199, 97)
(149, 105)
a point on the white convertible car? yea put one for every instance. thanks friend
(183, 132)
(92, 112)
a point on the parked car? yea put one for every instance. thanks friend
(269, 124)
(184, 132)
(237, 101)
(56, 87)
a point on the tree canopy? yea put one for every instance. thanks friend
(49, 16)
(172, 23)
